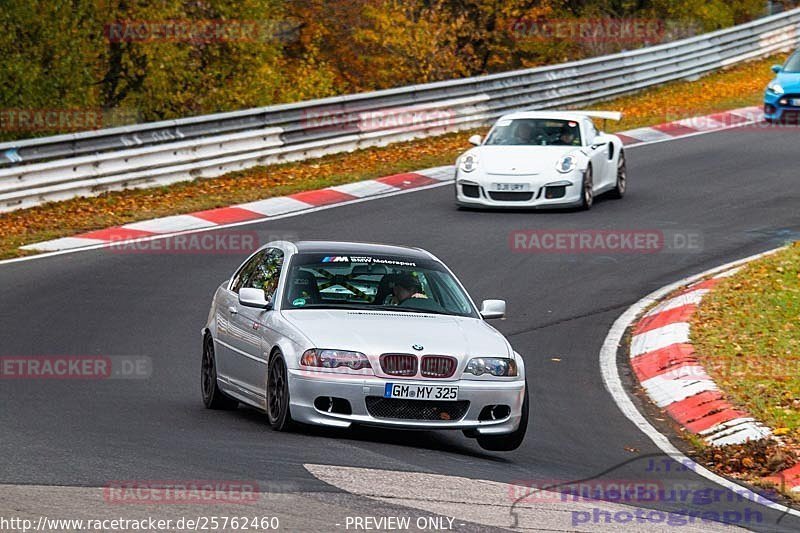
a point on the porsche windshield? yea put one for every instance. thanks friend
(535, 132)
(394, 283)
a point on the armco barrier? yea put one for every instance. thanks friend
(34, 171)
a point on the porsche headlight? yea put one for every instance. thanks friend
(496, 366)
(469, 163)
(331, 359)
(775, 88)
(567, 164)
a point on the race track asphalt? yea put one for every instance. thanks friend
(737, 189)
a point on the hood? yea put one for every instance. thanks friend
(377, 332)
(790, 81)
(516, 160)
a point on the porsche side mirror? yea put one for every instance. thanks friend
(777, 69)
(493, 309)
(476, 140)
(249, 297)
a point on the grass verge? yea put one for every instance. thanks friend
(747, 336)
(736, 87)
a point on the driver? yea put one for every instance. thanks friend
(406, 287)
(567, 136)
(523, 133)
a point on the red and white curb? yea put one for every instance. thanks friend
(341, 194)
(664, 361)
(666, 365)
(613, 382)
(252, 211)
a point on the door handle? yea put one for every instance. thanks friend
(232, 310)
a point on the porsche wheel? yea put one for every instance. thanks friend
(278, 395)
(622, 177)
(213, 398)
(510, 441)
(587, 194)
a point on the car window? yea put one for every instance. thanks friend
(373, 282)
(793, 64)
(245, 271)
(534, 132)
(266, 273)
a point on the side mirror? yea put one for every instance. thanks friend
(476, 140)
(253, 298)
(777, 69)
(493, 309)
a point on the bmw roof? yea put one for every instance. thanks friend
(350, 248)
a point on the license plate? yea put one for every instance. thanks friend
(511, 187)
(795, 102)
(409, 391)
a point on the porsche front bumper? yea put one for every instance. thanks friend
(543, 191)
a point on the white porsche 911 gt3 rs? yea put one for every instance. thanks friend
(542, 159)
(336, 334)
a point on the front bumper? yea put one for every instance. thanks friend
(305, 387)
(542, 191)
(778, 107)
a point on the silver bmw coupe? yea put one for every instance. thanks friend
(337, 333)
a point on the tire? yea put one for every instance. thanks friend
(213, 397)
(278, 412)
(622, 177)
(587, 195)
(510, 441)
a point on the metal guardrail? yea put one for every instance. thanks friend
(34, 171)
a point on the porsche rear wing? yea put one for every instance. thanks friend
(605, 115)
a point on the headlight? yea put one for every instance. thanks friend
(335, 359)
(775, 88)
(496, 366)
(469, 163)
(567, 164)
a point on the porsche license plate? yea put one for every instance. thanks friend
(510, 187)
(795, 102)
(409, 391)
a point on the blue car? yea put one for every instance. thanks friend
(782, 98)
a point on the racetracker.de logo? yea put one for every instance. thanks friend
(31, 120)
(217, 243)
(200, 491)
(397, 118)
(70, 367)
(619, 30)
(194, 31)
(604, 242)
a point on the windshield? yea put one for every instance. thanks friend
(535, 132)
(395, 283)
(793, 64)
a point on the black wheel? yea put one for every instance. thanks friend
(510, 441)
(622, 177)
(278, 395)
(587, 195)
(213, 398)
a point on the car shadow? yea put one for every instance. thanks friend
(420, 439)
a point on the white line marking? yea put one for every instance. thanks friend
(689, 298)
(274, 206)
(665, 391)
(613, 383)
(362, 189)
(170, 224)
(655, 339)
(492, 503)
